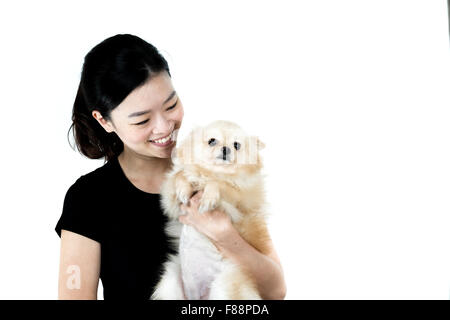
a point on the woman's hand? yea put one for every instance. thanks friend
(215, 224)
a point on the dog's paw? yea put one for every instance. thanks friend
(210, 198)
(182, 197)
(183, 192)
(207, 204)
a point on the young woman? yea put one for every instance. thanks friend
(111, 226)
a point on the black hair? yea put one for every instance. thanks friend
(111, 70)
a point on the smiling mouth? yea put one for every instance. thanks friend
(163, 140)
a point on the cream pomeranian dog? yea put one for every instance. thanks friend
(224, 162)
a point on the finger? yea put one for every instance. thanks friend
(195, 199)
(183, 209)
(197, 195)
(193, 202)
(194, 193)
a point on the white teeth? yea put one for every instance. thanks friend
(164, 140)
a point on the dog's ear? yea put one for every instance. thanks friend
(197, 134)
(184, 152)
(176, 154)
(179, 153)
(250, 153)
(261, 145)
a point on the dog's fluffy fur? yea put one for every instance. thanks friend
(231, 181)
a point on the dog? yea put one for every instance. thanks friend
(224, 162)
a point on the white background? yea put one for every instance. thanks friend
(350, 97)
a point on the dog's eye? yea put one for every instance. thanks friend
(237, 145)
(212, 142)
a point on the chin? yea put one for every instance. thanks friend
(224, 162)
(228, 168)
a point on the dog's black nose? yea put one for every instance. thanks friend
(226, 150)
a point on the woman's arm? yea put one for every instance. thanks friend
(266, 269)
(79, 268)
(216, 225)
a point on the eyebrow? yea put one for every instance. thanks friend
(140, 113)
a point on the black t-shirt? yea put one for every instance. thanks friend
(105, 206)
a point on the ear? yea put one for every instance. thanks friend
(107, 125)
(250, 154)
(261, 145)
(176, 154)
(179, 153)
(197, 134)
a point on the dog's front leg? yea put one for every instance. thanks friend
(183, 188)
(210, 197)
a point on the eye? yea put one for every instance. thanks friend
(237, 145)
(145, 121)
(170, 108)
(212, 142)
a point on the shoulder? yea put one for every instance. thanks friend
(94, 180)
(84, 194)
(82, 209)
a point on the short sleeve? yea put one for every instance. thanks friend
(79, 214)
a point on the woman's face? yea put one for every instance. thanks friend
(150, 112)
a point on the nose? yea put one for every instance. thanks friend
(162, 126)
(225, 151)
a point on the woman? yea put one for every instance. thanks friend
(112, 227)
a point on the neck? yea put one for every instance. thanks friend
(138, 166)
